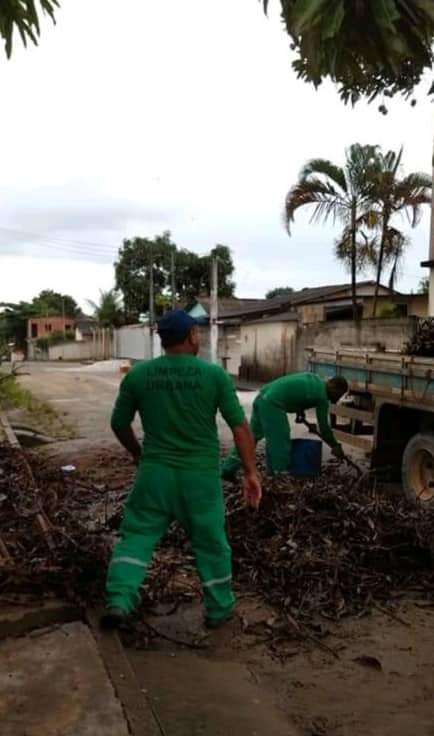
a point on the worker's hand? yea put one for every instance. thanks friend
(338, 452)
(252, 491)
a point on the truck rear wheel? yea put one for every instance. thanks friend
(418, 469)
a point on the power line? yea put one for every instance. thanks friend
(66, 250)
(60, 240)
(72, 249)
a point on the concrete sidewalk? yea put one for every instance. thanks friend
(53, 683)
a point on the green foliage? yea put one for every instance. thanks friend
(423, 287)
(367, 47)
(55, 338)
(339, 193)
(13, 323)
(108, 311)
(389, 310)
(50, 303)
(365, 195)
(38, 414)
(23, 16)
(192, 273)
(13, 320)
(279, 291)
(43, 343)
(394, 194)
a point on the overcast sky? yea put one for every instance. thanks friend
(135, 117)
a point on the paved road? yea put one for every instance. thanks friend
(84, 397)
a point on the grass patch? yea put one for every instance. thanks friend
(36, 414)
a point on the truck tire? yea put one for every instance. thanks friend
(418, 469)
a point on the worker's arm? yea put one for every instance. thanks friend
(122, 418)
(246, 449)
(233, 413)
(322, 415)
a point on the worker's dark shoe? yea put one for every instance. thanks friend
(217, 623)
(114, 618)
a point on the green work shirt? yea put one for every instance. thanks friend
(298, 392)
(177, 398)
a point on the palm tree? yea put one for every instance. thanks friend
(343, 193)
(393, 195)
(24, 17)
(108, 312)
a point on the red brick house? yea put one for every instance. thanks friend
(45, 326)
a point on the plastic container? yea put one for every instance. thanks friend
(306, 458)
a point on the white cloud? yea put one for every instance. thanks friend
(173, 115)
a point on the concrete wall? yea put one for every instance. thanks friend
(229, 348)
(369, 334)
(268, 350)
(133, 342)
(101, 349)
(418, 305)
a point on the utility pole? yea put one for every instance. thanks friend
(214, 310)
(151, 302)
(172, 278)
(431, 252)
(430, 263)
(64, 330)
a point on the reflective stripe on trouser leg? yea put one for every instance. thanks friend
(202, 514)
(145, 520)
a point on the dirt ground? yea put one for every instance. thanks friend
(371, 676)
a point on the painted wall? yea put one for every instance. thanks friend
(272, 349)
(268, 350)
(133, 342)
(229, 348)
(101, 348)
(370, 334)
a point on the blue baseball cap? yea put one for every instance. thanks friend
(176, 320)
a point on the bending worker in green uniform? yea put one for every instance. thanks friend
(293, 393)
(177, 397)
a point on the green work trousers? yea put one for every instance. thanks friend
(272, 423)
(160, 495)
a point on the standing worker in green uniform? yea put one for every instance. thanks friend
(177, 397)
(293, 393)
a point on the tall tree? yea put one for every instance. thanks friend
(51, 303)
(13, 322)
(343, 193)
(394, 195)
(279, 291)
(367, 47)
(192, 273)
(23, 16)
(108, 310)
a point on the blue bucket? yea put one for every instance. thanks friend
(305, 458)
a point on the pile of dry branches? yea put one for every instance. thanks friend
(330, 547)
(316, 547)
(422, 342)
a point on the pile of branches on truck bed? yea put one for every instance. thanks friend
(422, 342)
(316, 547)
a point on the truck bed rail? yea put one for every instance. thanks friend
(404, 377)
